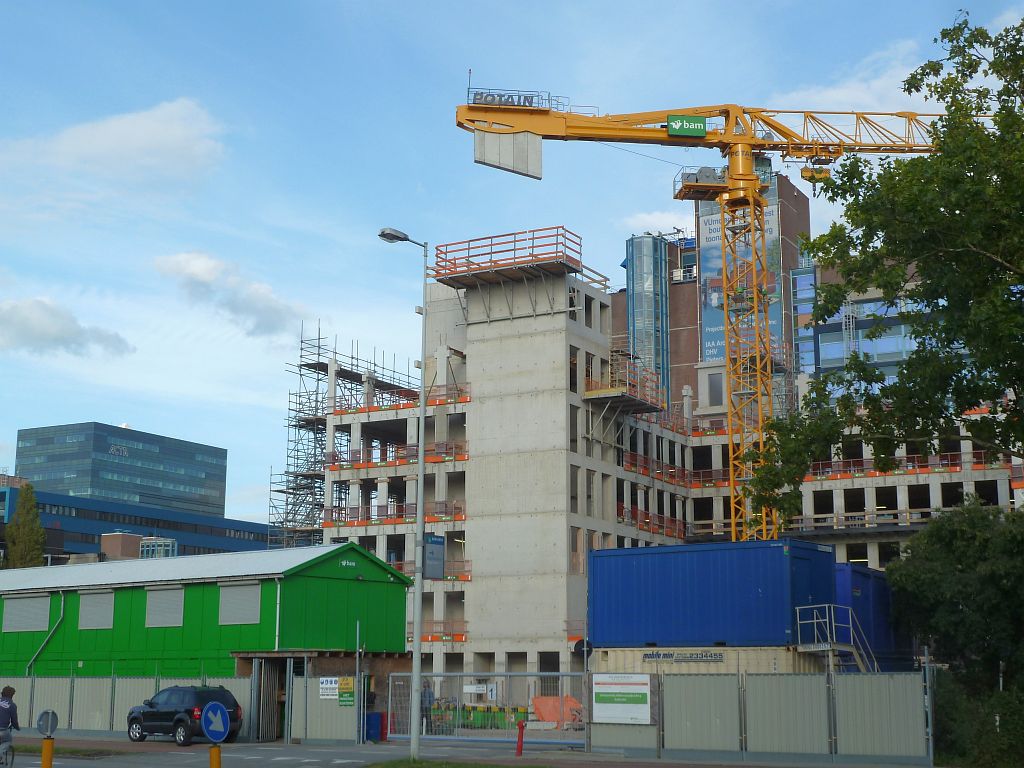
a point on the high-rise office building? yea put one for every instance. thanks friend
(100, 461)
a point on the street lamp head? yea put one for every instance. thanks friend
(389, 235)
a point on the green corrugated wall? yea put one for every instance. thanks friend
(320, 603)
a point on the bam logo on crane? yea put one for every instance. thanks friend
(501, 99)
(687, 125)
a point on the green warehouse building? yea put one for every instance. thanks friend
(90, 640)
(198, 616)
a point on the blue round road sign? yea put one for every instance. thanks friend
(215, 721)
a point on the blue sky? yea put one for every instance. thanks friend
(184, 184)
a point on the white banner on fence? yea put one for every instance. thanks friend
(622, 699)
(328, 687)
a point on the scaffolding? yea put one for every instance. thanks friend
(297, 496)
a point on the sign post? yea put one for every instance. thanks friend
(46, 725)
(216, 724)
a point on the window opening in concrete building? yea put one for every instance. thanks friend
(919, 499)
(857, 552)
(574, 491)
(369, 543)
(823, 503)
(886, 502)
(701, 457)
(577, 558)
(483, 662)
(952, 495)
(887, 552)
(853, 453)
(853, 501)
(395, 549)
(620, 542)
(588, 311)
(590, 492)
(574, 418)
(716, 392)
(574, 383)
(987, 492)
(547, 661)
(703, 510)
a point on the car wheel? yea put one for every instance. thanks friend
(182, 735)
(135, 732)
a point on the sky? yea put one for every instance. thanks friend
(188, 186)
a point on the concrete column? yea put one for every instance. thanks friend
(1003, 492)
(368, 389)
(839, 506)
(382, 495)
(873, 554)
(934, 494)
(440, 483)
(355, 442)
(869, 501)
(687, 392)
(627, 494)
(840, 552)
(902, 501)
(354, 493)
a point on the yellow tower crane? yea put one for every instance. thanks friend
(509, 126)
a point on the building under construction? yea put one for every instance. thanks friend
(553, 429)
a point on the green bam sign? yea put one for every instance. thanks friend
(687, 125)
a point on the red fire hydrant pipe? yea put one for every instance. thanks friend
(519, 739)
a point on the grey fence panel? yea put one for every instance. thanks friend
(23, 686)
(319, 719)
(787, 714)
(129, 692)
(52, 693)
(91, 705)
(239, 686)
(881, 715)
(634, 740)
(701, 712)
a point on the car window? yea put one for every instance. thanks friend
(221, 695)
(178, 699)
(161, 699)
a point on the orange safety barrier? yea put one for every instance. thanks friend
(561, 710)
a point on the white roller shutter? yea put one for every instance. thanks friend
(27, 614)
(96, 610)
(240, 603)
(164, 607)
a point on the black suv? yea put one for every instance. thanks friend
(177, 710)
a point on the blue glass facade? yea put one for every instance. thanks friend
(100, 461)
(79, 522)
(647, 305)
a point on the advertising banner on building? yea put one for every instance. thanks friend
(622, 699)
(712, 296)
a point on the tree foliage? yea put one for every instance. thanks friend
(959, 588)
(24, 533)
(941, 238)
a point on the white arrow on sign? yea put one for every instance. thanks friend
(216, 722)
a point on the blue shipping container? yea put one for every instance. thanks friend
(735, 594)
(866, 591)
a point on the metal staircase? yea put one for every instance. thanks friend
(834, 632)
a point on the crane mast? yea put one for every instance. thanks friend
(509, 127)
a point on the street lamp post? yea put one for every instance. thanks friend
(389, 235)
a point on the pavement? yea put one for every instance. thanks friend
(161, 752)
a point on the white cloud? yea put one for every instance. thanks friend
(39, 326)
(875, 84)
(252, 305)
(174, 139)
(1008, 18)
(660, 221)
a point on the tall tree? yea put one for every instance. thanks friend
(959, 587)
(24, 533)
(941, 238)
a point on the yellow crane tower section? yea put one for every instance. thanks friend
(508, 129)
